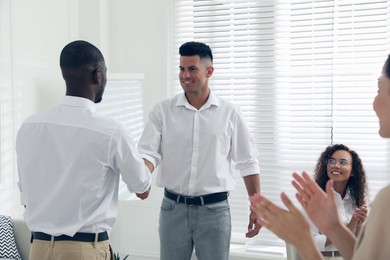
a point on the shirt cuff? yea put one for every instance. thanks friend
(250, 171)
(150, 159)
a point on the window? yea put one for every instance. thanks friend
(303, 72)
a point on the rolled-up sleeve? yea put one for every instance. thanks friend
(243, 150)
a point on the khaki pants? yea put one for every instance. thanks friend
(70, 250)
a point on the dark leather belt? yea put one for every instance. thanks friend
(82, 237)
(330, 253)
(198, 200)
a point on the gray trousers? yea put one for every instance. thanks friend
(207, 228)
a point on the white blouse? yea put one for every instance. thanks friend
(346, 208)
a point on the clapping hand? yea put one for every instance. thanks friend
(361, 214)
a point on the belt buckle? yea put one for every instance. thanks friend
(189, 199)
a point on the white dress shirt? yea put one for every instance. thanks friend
(346, 208)
(194, 148)
(69, 161)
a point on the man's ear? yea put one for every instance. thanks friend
(97, 75)
(210, 71)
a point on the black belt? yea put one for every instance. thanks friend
(330, 253)
(198, 200)
(82, 237)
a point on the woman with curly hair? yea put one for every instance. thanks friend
(345, 168)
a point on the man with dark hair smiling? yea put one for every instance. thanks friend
(193, 138)
(70, 160)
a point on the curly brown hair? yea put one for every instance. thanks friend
(357, 182)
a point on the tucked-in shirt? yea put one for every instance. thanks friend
(70, 160)
(374, 238)
(194, 149)
(346, 207)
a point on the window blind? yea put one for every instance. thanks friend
(303, 72)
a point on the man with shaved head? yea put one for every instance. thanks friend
(70, 160)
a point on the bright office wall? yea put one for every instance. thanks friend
(31, 41)
(133, 38)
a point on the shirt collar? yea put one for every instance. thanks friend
(211, 101)
(78, 102)
(346, 197)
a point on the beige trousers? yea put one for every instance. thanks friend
(74, 250)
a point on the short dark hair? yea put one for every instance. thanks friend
(78, 54)
(196, 48)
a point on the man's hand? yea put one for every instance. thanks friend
(253, 226)
(144, 195)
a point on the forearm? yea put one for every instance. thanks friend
(306, 246)
(358, 228)
(343, 239)
(353, 224)
(149, 165)
(252, 184)
(309, 252)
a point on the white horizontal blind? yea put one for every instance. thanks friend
(123, 100)
(303, 72)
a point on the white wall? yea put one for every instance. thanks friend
(133, 38)
(131, 34)
(32, 38)
(140, 30)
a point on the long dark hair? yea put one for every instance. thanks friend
(387, 68)
(357, 182)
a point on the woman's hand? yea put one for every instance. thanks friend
(360, 214)
(320, 206)
(290, 225)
